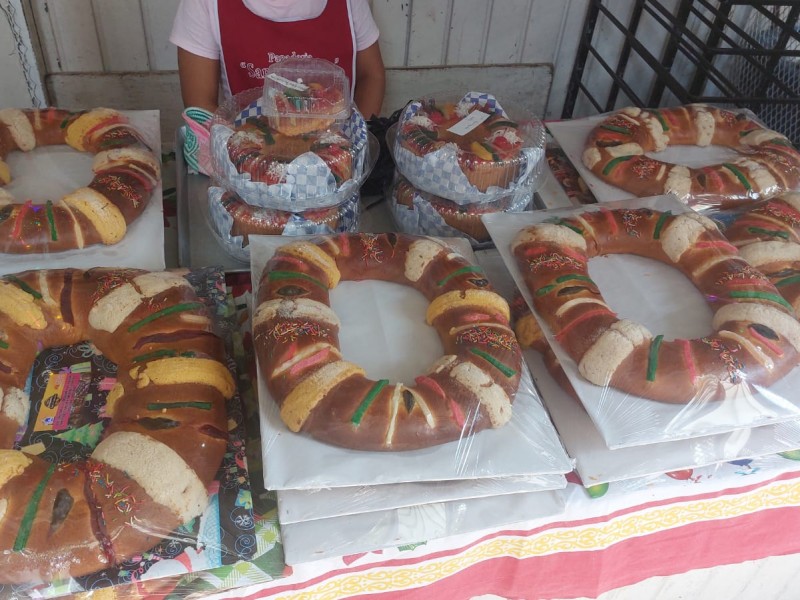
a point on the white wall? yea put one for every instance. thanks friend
(101, 37)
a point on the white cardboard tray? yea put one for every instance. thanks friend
(571, 136)
(667, 304)
(296, 506)
(391, 316)
(50, 172)
(342, 536)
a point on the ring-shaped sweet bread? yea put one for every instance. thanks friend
(756, 337)
(166, 432)
(125, 174)
(616, 151)
(296, 338)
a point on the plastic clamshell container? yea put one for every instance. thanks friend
(302, 95)
(418, 212)
(468, 148)
(233, 221)
(271, 169)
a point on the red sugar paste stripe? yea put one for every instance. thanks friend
(612, 222)
(688, 360)
(598, 311)
(768, 343)
(721, 244)
(312, 360)
(17, 231)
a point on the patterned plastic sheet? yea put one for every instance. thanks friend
(68, 387)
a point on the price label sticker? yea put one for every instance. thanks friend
(288, 83)
(470, 122)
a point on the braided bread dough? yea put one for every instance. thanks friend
(756, 337)
(125, 174)
(296, 339)
(616, 152)
(168, 428)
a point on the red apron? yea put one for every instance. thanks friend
(251, 44)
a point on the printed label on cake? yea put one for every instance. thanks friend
(470, 122)
(288, 83)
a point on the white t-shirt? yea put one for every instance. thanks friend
(196, 25)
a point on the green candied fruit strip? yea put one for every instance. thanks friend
(574, 277)
(788, 281)
(660, 224)
(52, 220)
(368, 399)
(769, 232)
(652, 357)
(661, 119)
(504, 369)
(164, 313)
(739, 175)
(545, 290)
(30, 512)
(615, 129)
(461, 271)
(761, 296)
(24, 286)
(614, 162)
(168, 405)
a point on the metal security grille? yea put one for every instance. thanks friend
(659, 53)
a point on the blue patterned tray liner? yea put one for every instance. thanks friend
(425, 220)
(439, 173)
(222, 222)
(309, 181)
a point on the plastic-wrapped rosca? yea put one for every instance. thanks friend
(756, 338)
(165, 419)
(418, 212)
(303, 95)
(270, 168)
(469, 389)
(469, 149)
(617, 151)
(125, 174)
(233, 220)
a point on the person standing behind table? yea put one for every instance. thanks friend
(231, 43)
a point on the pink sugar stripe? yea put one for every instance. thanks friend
(309, 362)
(768, 343)
(722, 244)
(612, 223)
(588, 314)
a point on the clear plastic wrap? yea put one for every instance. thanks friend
(342, 536)
(468, 149)
(296, 506)
(705, 155)
(597, 464)
(70, 505)
(383, 321)
(419, 212)
(304, 95)
(115, 220)
(274, 170)
(233, 220)
(727, 359)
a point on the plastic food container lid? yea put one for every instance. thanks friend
(270, 168)
(310, 89)
(468, 147)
